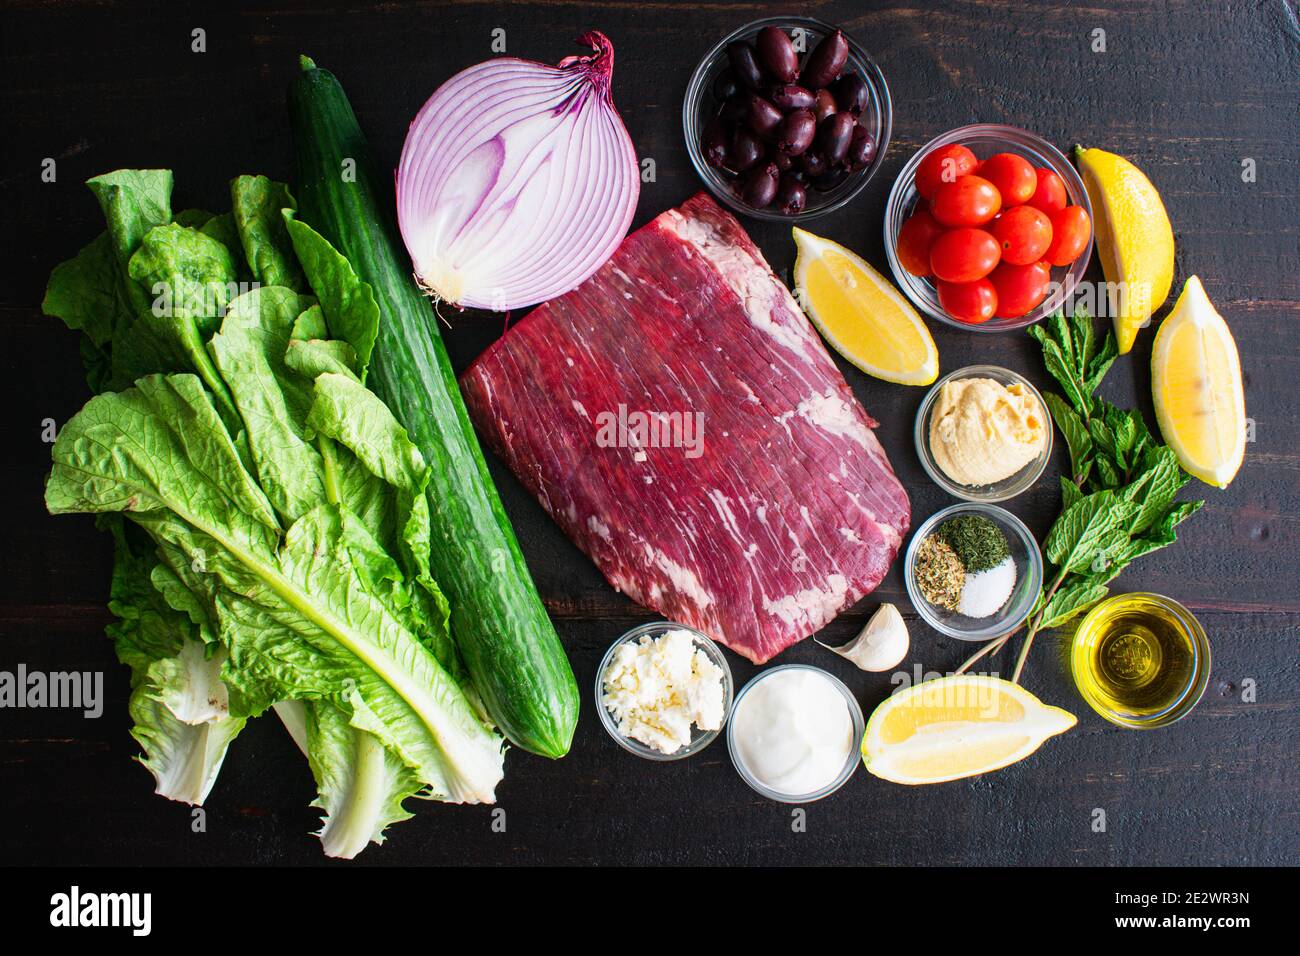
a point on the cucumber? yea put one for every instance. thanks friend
(508, 643)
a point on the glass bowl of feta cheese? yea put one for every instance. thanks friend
(664, 691)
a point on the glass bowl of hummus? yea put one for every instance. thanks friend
(664, 691)
(983, 433)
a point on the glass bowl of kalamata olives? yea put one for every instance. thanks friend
(787, 119)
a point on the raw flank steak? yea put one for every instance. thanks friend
(680, 419)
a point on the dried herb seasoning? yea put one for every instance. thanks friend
(979, 543)
(939, 573)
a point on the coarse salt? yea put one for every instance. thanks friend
(985, 592)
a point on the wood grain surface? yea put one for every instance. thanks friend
(1189, 91)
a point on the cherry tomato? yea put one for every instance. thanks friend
(914, 242)
(1020, 288)
(972, 302)
(970, 201)
(1071, 230)
(943, 164)
(964, 255)
(1013, 176)
(1023, 232)
(1050, 195)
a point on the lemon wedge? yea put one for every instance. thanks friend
(861, 315)
(1196, 385)
(957, 727)
(1134, 239)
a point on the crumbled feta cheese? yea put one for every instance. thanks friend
(655, 688)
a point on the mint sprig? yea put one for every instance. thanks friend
(1119, 500)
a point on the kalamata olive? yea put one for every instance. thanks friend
(791, 197)
(851, 93)
(791, 97)
(783, 161)
(715, 143)
(759, 185)
(830, 179)
(824, 105)
(776, 54)
(746, 150)
(795, 133)
(744, 64)
(725, 85)
(833, 137)
(762, 116)
(797, 174)
(736, 110)
(826, 61)
(813, 163)
(862, 148)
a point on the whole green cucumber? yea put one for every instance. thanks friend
(497, 619)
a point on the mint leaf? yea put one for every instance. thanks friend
(1075, 433)
(1155, 487)
(1083, 335)
(1107, 472)
(1058, 366)
(1161, 533)
(1070, 601)
(1089, 530)
(1103, 438)
(1100, 363)
(1124, 426)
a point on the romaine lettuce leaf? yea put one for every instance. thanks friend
(320, 612)
(257, 203)
(276, 552)
(178, 703)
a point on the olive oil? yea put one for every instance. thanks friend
(1140, 660)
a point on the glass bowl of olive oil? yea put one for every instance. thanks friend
(1140, 660)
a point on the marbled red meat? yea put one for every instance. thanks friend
(757, 527)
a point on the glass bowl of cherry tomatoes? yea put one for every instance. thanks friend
(988, 228)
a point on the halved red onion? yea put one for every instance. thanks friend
(517, 180)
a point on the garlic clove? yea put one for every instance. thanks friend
(882, 644)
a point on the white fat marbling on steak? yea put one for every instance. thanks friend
(791, 511)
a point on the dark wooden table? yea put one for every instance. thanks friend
(1189, 91)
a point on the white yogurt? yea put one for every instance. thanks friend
(793, 731)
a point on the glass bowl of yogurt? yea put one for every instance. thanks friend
(983, 433)
(664, 691)
(794, 733)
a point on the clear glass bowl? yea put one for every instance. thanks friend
(985, 139)
(699, 738)
(1002, 490)
(1082, 647)
(850, 765)
(699, 107)
(1029, 577)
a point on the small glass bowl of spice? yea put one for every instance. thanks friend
(973, 571)
(983, 433)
